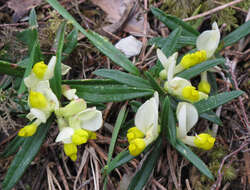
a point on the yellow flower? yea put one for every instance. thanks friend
(134, 133)
(71, 151)
(204, 86)
(28, 130)
(187, 117)
(136, 146)
(192, 59)
(190, 94)
(204, 141)
(39, 69)
(37, 100)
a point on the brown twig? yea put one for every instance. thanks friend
(212, 10)
(59, 168)
(170, 163)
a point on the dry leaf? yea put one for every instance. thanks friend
(21, 7)
(116, 9)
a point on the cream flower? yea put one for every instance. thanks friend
(146, 128)
(187, 117)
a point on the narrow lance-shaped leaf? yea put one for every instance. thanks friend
(25, 155)
(123, 78)
(217, 100)
(174, 22)
(199, 68)
(11, 69)
(237, 34)
(57, 79)
(193, 158)
(168, 124)
(70, 43)
(101, 43)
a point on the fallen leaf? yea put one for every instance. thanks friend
(21, 7)
(116, 10)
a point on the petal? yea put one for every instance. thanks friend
(65, 69)
(191, 115)
(209, 40)
(90, 119)
(70, 94)
(51, 67)
(146, 115)
(172, 63)
(31, 81)
(163, 59)
(176, 85)
(65, 135)
(37, 114)
(130, 46)
(181, 114)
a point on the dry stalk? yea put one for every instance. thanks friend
(212, 10)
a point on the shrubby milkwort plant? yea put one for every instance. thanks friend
(171, 104)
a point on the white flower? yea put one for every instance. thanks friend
(130, 46)
(42, 72)
(187, 117)
(209, 40)
(146, 128)
(89, 119)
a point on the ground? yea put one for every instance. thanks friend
(229, 161)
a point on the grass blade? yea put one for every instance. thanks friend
(12, 147)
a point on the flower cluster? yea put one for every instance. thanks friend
(146, 127)
(76, 122)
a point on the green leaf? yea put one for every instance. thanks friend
(34, 56)
(169, 47)
(211, 116)
(237, 34)
(25, 156)
(115, 132)
(168, 123)
(197, 69)
(12, 147)
(100, 91)
(217, 100)
(11, 69)
(120, 159)
(118, 123)
(123, 78)
(56, 81)
(142, 176)
(153, 83)
(173, 22)
(32, 19)
(101, 43)
(193, 158)
(70, 43)
(182, 41)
